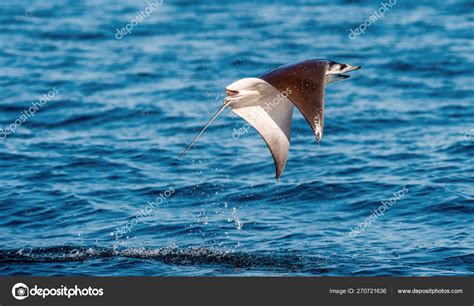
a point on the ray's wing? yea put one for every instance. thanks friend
(271, 115)
(305, 82)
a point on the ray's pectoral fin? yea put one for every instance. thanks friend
(271, 115)
(305, 83)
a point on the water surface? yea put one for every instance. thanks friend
(105, 145)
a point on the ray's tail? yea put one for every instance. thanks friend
(205, 127)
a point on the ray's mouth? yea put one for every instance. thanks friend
(231, 93)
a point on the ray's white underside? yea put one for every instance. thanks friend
(270, 112)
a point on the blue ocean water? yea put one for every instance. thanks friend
(90, 183)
